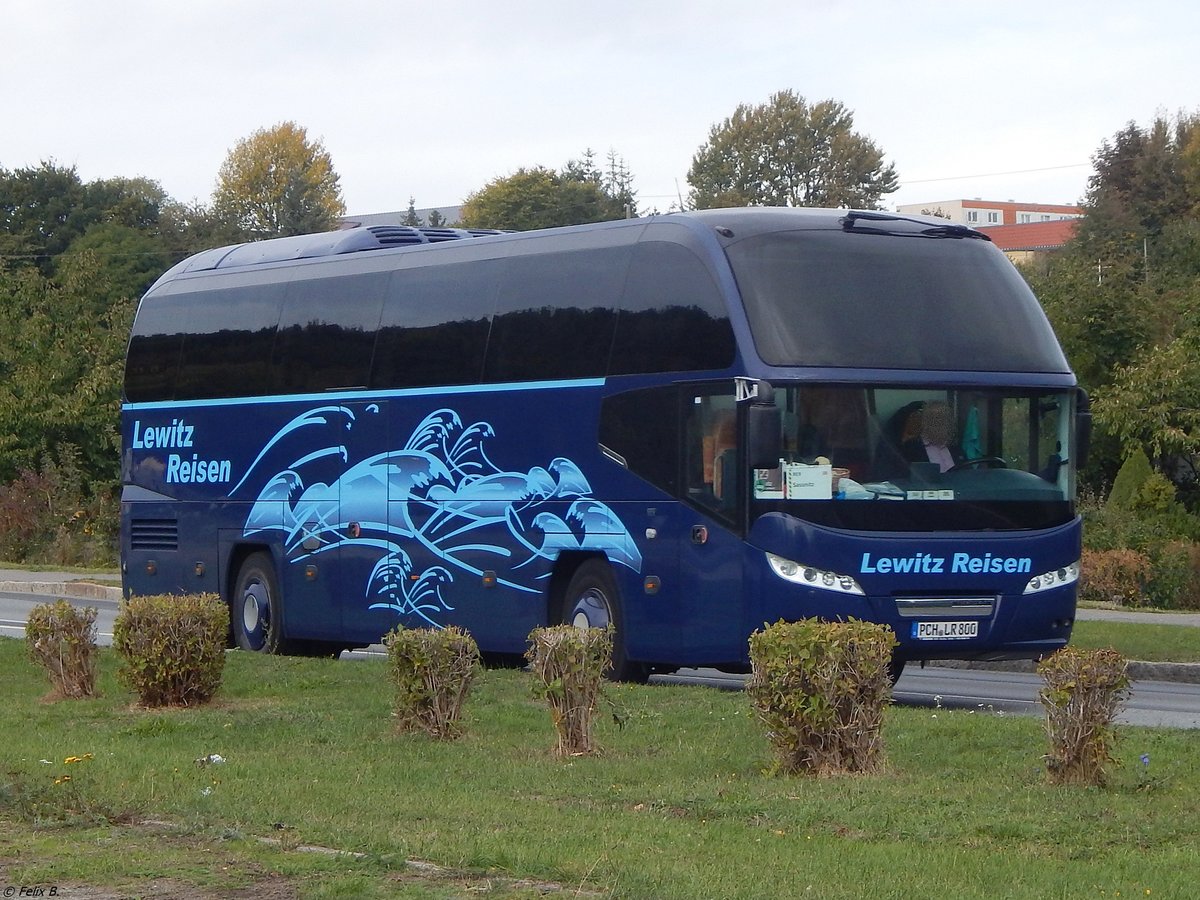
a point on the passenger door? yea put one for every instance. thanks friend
(711, 549)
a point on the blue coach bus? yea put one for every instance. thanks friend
(686, 426)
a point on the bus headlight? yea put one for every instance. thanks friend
(810, 576)
(1053, 579)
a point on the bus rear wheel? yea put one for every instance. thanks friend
(256, 611)
(593, 601)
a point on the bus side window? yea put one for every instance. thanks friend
(712, 451)
(673, 317)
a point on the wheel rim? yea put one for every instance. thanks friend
(591, 610)
(256, 613)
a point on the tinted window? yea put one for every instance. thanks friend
(154, 348)
(435, 325)
(833, 298)
(227, 348)
(327, 332)
(555, 315)
(642, 427)
(673, 318)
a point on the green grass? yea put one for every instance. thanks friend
(1143, 641)
(678, 806)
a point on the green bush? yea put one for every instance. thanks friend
(49, 515)
(820, 688)
(1140, 548)
(1135, 471)
(61, 638)
(1082, 692)
(569, 664)
(432, 671)
(172, 647)
(1174, 582)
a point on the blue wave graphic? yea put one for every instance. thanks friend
(456, 504)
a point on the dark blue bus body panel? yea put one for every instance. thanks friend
(990, 568)
(379, 511)
(467, 503)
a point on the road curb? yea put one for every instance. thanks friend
(80, 590)
(1139, 670)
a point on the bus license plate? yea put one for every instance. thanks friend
(944, 631)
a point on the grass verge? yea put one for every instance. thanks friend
(1143, 641)
(678, 806)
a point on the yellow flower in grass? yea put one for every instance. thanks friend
(75, 759)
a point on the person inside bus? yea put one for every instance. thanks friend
(720, 454)
(932, 437)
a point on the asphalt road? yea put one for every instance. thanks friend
(1154, 703)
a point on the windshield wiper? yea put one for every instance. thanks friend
(850, 222)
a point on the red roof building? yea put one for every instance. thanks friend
(1021, 242)
(1033, 236)
(1019, 229)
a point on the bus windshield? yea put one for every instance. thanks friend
(848, 299)
(903, 459)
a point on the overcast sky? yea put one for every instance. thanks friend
(1002, 100)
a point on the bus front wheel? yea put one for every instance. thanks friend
(593, 601)
(255, 611)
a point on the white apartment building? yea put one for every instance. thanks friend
(982, 213)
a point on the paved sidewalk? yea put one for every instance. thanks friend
(1132, 615)
(81, 585)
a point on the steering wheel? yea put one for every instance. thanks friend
(991, 462)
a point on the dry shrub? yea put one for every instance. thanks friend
(821, 689)
(172, 647)
(569, 664)
(1114, 576)
(1189, 596)
(61, 638)
(1082, 692)
(432, 671)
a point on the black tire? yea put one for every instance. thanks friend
(503, 660)
(256, 607)
(593, 601)
(895, 670)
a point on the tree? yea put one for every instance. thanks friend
(411, 218)
(42, 210)
(61, 369)
(129, 260)
(277, 183)
(542, 198)
(1098, 320)
(1144, 179)
(188, 228)
(1124, 296)
(1156, 403)
(129, 202)
(786, 152)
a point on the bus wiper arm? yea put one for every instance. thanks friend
(953, 229)
(949, 229)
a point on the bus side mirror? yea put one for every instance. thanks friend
(764, 431)
(1083, 429)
